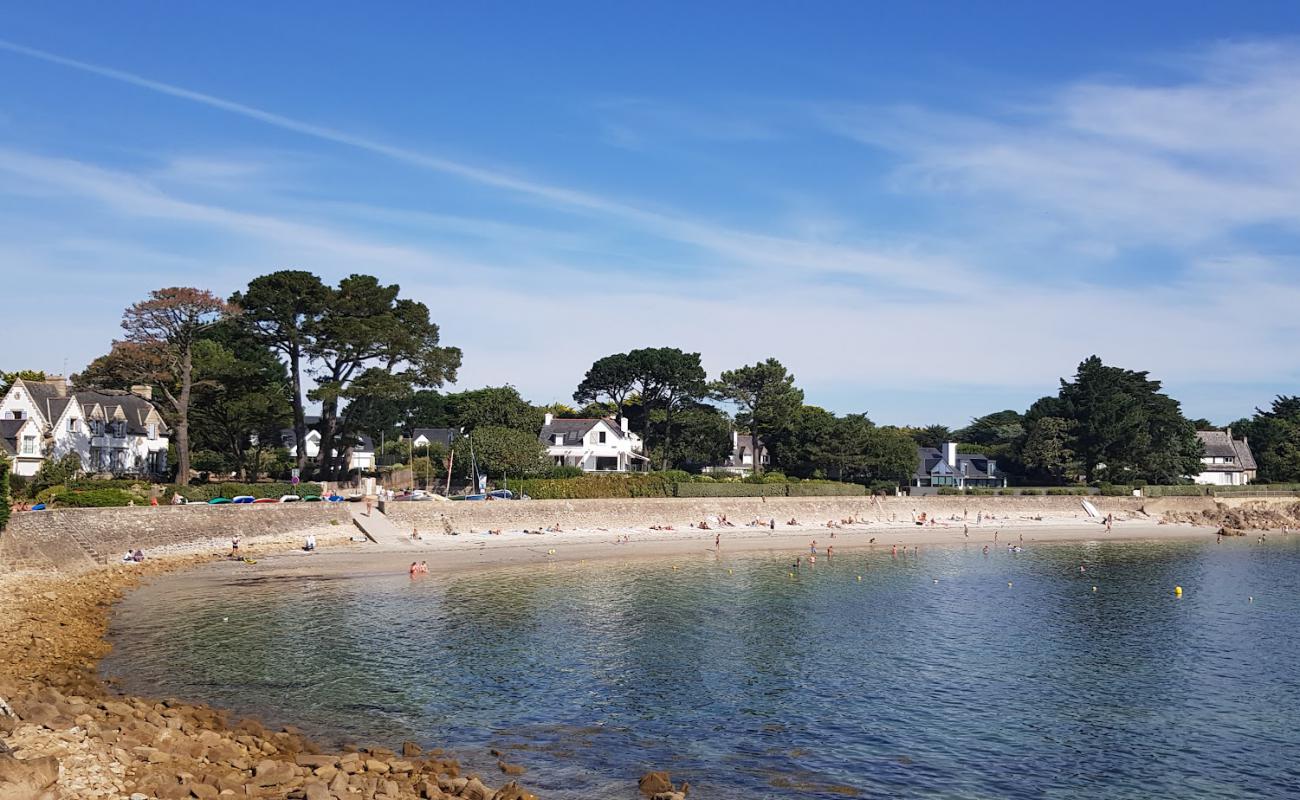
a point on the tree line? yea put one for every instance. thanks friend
(231, 374)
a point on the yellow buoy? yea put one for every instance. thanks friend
(859, 577)
(729, 572)
(674, 566)
(791, 574)
(1178, 591)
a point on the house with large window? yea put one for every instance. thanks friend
(1226, 461)
(947, 467)
(595, 445)
(115, 432)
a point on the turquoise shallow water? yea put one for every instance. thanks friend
(752, 684)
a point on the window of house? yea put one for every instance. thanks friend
(29, 445)
(600, 437)
(153, 430)
(17, 414)
(72, 426)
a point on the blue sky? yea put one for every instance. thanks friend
(927, 212)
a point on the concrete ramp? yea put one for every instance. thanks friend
(377, 527)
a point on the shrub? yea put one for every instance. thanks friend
(592, 487)
(950, 490)
(740, 489)
(825, 489)
(676, 476)
(18, 484)
(1031, 492)
(94, 498)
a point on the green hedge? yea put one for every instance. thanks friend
(731, 489)
(661, 484)
(1175, 491)
(825, 489)
(67, 497)
(1253, 487)
(594, 487)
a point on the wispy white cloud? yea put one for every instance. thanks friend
(1180, 163)
(766, 249)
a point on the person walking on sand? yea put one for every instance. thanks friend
(234, 546)
(830, 550)
(369, 504)
(1109, 519)
(717, 541)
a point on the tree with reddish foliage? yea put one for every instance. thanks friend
(160, 333)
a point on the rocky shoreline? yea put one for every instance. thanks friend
(64, 734)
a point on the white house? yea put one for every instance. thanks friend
(741, 460)
(363, 448)
(112, 431)
(423, 437)
(1227, 461)
(947, 467)
(595, 445)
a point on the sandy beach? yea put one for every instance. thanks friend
(481, 550)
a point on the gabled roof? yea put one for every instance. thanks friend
(48, 397)
(977, 465)
(1220, 444)
(10, 430)
(574, 430)
(361, 443)
(443, 436)
(117, 405)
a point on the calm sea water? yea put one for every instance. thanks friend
(751, 684)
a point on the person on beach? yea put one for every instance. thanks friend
(812, 548)
(137, 556)
(966, 530)
(369, 505)
(1082, 568)
(771, 523)
(153, 501)
(415, 534)
(1109, 519)
(986, 549)
(830, 550)
(234, 546)
(128, 557)
(717, 541)
(894, 551)
(310, 544)
(414, 570)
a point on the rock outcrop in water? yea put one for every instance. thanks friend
(64, 735)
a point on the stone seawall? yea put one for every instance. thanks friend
(80, 538)
(680, 512)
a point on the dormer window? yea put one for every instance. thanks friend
(600, 437)
(153, 430)
(73, 427)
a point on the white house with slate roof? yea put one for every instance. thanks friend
(1227, 461)
(595, 445)
(112, 431)
(947, 467)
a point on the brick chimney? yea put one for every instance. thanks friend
(142, 390)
